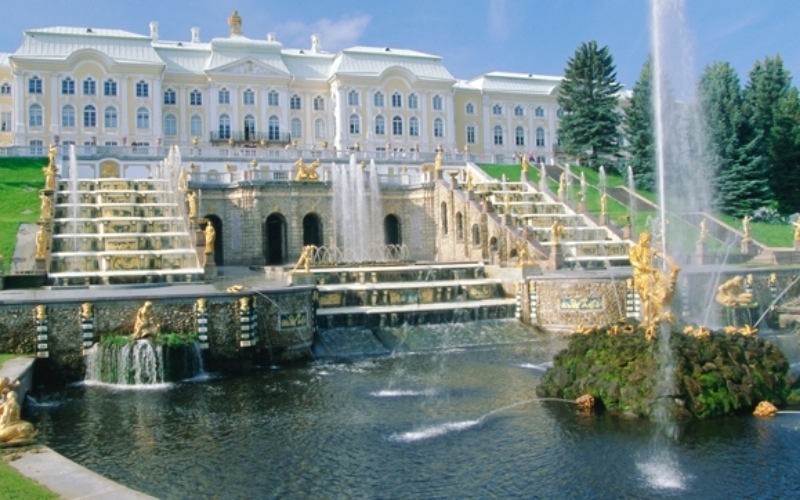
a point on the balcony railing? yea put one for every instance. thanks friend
(253, 137)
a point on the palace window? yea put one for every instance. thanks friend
(297, 128)
(413, 101)
(413, 127)
(224, 127)
(68, 116)
(35, 85)
(470, 109)
(319, 128)
(397, 126)
(67, 86)
(169, 97)
(519, 111)
(352, 98)
(498, 135)
(520, 136)
(378, 100)
(224, 96)
(470, 134)
(89, 86)
(195, 98)
(249, 128)
(459, 226)
(438, 128)
(497, 109)
(110, 117)
(273, 99)
(540, 137)
(319, 103)
(539, 112)
(437, 103)
(274, 128)
(89, 116)
(36, 146)
(5, 89)
(294, 102)
(560, 113)
(248, 97)
(397, 100)
(196, 126)
(142, 89)
(110, 88)
(380, 125)
(355, 124)
(5, 121)
(170, 125)
(142, 119)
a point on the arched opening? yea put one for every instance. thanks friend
(391, 230)
(312, 230)
(216, 223)
(443, 218)
(275, 239)
(476, 234)
(493, 246)
(459, 226)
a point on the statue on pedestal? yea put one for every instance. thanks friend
(191, 197)
(46, 208)
(746, 227)
(655, 288)
(703, 231)
(305, 259)
(145, 325)
(12, 428)
(41, 242)
(211, 237)
(732, 293)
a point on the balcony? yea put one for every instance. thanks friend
(253, 138)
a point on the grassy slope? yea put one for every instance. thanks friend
(771, 235)
(17, 174)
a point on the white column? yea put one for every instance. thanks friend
(184, 111)
(425, 129)
(285, 95)
(158, 114)
(211, 111)
(510, 142)
(53, 114)
(308, 120)
(236, 101)
(488, 129)
(369, 130)
(123, 103)
(20, 91)
(450, 120)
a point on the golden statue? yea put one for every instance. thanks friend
(507, 204)
(86, 310)
(183, 180)
(655, 289)
(470, 185)
(12, 428)
(557, 229)
(145, 325)
(732, 293)
(202, 306)
(603, 204)
(46, 208)
(50, 177)
(41, 242)
(308, 173)
(41, 312)
(52, 152)
(703, 230)
(562, 185)
(235, 22)
(797, 229)
(437, 161)
(7, 386)
(524, 163)
(244, 305)
(195, 140)
(211, 238)
(305, 259)
(363, 165)
(746, 227)
(524, 256)
(191, 197)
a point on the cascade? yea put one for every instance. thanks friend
(142, 363)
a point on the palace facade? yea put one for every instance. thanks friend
(106, 87)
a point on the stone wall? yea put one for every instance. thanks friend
(565, 303)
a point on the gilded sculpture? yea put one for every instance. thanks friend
(655, 288)
(557, 230)
(235, 22)
(86, 310)
(191, 197)
(244, 305)
(12, 428)
(797, 230)
(732, 293)
(746, 227)
(50, 177)
(183, 180)
(437, 161)
(41, 312)
(524, 163)
(703, 230)
(41, 242)
(306, 173)
(524, 256)
(211, 238)
(202, 306)
(46, 207)
(305, 259)
(145, 325)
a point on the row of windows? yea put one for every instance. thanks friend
(498, 136)
(36, 86)
(397, 126)
(379, 100)
(68, 117)
(497, 110)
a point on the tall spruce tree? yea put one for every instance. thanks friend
(588, 96)
(769, 109)
(638, 127)
(740, 182)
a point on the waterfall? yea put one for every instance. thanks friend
(357, 212)
(73, 198)
(375, 211)
(142, 363)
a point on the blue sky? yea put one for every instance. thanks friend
(473, 37)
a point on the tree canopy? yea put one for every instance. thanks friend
(638, 128)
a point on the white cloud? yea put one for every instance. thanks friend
(334, 35)
(498, 20)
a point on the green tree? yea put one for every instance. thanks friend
(768, 107)
(739, 167)
(588, 96)
(638, 128)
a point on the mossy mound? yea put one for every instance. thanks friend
(718, 375)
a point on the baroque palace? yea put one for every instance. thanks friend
(110, 88)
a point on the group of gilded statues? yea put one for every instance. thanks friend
(655, 286)
(306, 173)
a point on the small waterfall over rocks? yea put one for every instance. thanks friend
(142, 363)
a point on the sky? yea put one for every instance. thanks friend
(472, 36)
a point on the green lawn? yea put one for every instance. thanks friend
(14, 485)
(20, 182)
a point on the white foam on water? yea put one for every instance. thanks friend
(400, 393)
(662, 472)
(433, 431)
(541, 367)
(131, 387)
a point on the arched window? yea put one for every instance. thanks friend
(397, 126)
(224, 96)
(438, 128)
(413, 102)
(355, 124)
(170, 125)
(5, 89)
(470, 108)
(413, 127)
(35, 115)
(443, 217)
(272, 98)
(249, 128)
(493, 245)
(68, 86)
(110, 117)
(274, 128)
(352, 98)
(248, 97)
(380, 125)
(392, 232)
(319, 103)
(539, 112)
(519, 111)
(497, 109)
(397, 100)
(297, 128)
(169, 97)
(459, 226)
(437, 103)
(142, 89)
(110, 88)
(378, 100)
(142, 119)
(295, 102)
(519, 135)
(34, 85)
(196, 126)
(196, 98)
(319, 128)
(540, 137)
(89, 86)
(470, 134)
(476, 234)
(89, 116)
(224, 127)
(68, 116)
(498, 135)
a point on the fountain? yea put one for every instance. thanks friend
(357, 217)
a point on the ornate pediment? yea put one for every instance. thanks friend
(250, 67)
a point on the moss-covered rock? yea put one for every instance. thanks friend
(718, 375)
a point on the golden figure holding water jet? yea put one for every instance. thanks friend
(655, 288)
(145, 325)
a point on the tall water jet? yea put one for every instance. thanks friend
(73, 197)
(356, 215)
(631, 191)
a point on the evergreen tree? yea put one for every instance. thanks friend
(740, 182)
(768, 109)
(784, 152)
(638, 127)
(588, 96)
